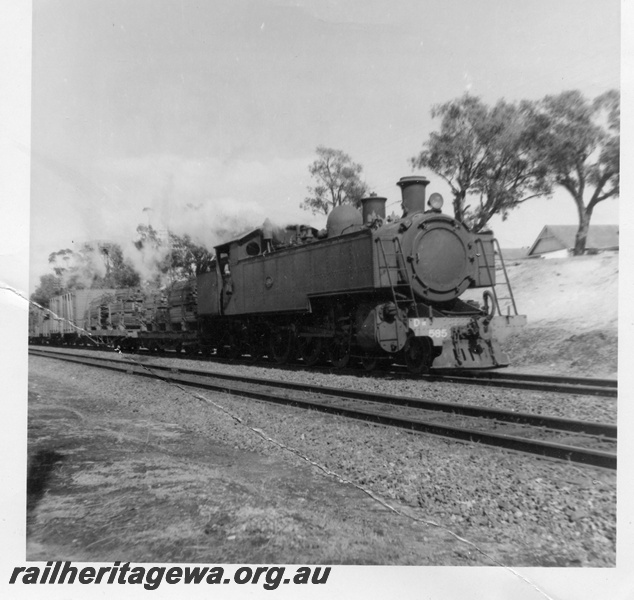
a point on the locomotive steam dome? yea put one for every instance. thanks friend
(343, 218)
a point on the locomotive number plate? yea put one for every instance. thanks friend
(425, 328)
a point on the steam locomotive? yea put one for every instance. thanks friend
(367, 288)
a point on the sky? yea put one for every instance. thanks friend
(209, 113)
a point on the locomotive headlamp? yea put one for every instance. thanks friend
(435, 201)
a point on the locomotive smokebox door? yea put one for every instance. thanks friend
(442, 259)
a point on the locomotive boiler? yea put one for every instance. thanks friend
(367, 287)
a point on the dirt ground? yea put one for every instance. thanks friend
(571, 306)
(108, 485)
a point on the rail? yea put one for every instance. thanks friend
(338, 401)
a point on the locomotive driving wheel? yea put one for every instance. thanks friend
(418, 354)
(310, 350)
(369, 362)
(256, 345)
(282, 345)
(191, 349)
(207, 350)
(230, 344)
(339, 350)
(234, 344)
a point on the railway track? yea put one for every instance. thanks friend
(587, 386)
(553, 437)
(559, 384)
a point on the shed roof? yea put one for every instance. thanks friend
(561, 237)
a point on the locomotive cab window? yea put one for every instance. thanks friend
(252, 249)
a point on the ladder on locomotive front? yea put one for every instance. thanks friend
(491, 272)
(400, 266)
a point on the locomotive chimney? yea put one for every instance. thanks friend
(267, 230)
(413, 192)
(267, 235)
(372, 208)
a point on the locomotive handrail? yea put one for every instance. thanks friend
(491, 274)
(397, 241)
(379, 241)
(389, 277)
(496, 246)
(506, 277)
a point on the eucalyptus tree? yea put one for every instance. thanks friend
(171, 257)
(487, 156)
(337, 179)
(50, 286)
(578, 143)
(94, 265)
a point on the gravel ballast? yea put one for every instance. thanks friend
(587, 408)
(517, 509)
